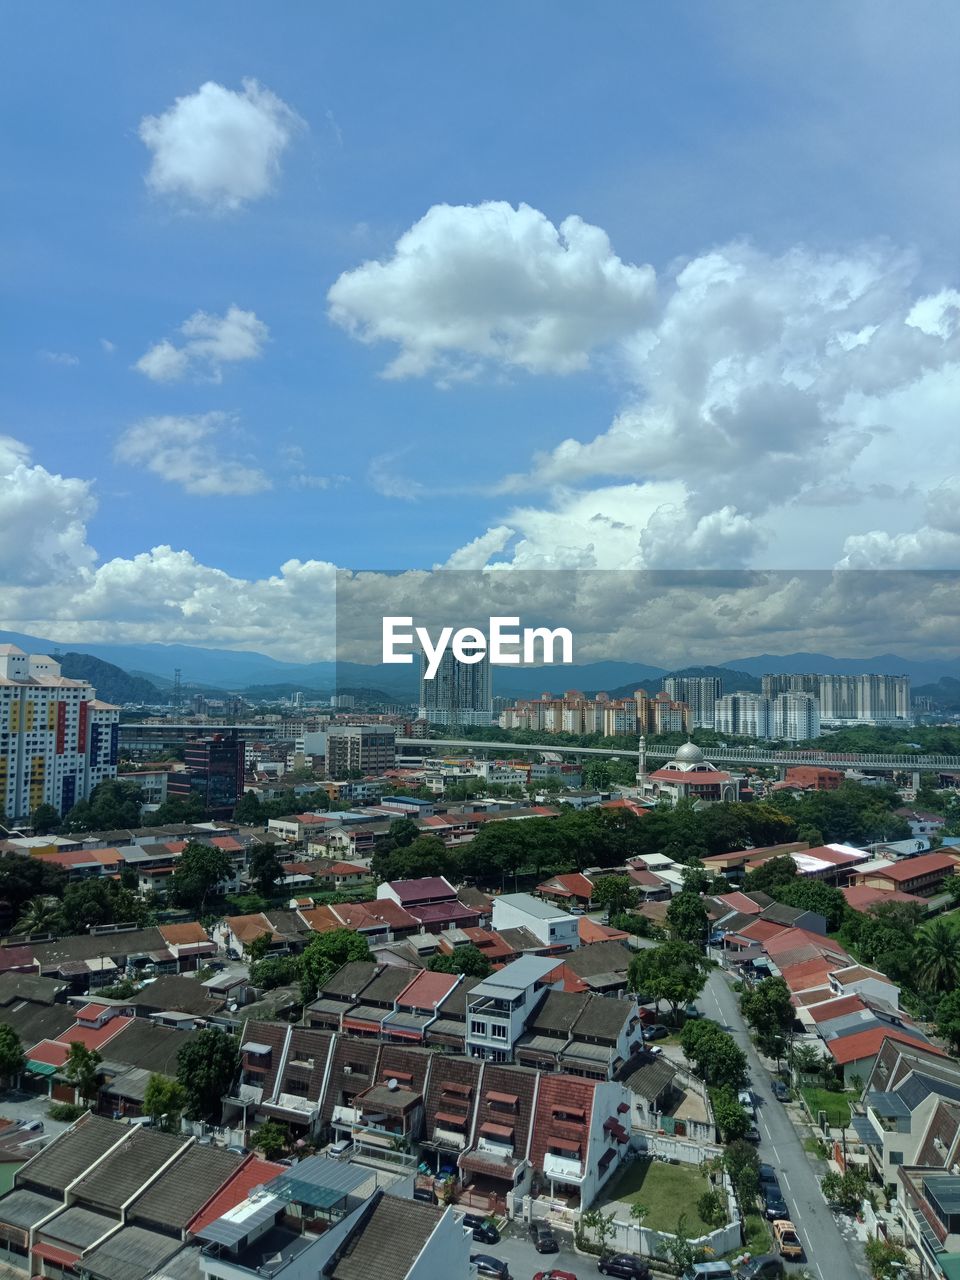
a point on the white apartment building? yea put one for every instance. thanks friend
(748, 714)
(57, 741)
(700, 693)
(796, 717)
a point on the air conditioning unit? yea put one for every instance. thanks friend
(348, 1071)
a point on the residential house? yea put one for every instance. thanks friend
(567, 890)
(495, 1163)
(556, 930)
(499, 1007)
(580, 1135)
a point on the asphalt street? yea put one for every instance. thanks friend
(829, 1254)
(524, 1262)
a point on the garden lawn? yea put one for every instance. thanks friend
(836, 1105)
(666, 1189)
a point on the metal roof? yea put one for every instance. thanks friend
(318, 1182)
(133, 1253)
(237, 1223)
(889, 1105)
(865, 1131)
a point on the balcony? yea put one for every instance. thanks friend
(563, 1168)
(345, 1116)
(291, 1106)
(449, 1138)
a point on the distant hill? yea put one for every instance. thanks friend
(945, 693)
(111, 683)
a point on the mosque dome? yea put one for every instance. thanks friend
(689, 753)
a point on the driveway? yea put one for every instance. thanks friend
(829, 1252)
(17, 1105)
(524, 1261)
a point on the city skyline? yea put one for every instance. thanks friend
(701, 339)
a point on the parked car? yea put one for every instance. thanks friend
(623, 1264)
(657, 1032)
(767, 1174)
(426, 1194)
(31, 1126)
(339, 1150)
(489, 1266)
(780, 1091)
(554, 1275)
(709, 1271)
(769, 1267)
(786, 1239)
(544, 1241)
(774, 1205)
(752, 1134)
(483, 1229)
(745, 1098)
(691, 1011)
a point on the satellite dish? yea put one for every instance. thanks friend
(393, 1083)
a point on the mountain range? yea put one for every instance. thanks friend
(238, 670)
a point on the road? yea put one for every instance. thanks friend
(829, 1254)
(523, 1260)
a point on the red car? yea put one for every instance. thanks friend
(554, 1275)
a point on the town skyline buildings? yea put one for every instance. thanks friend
(623, 421)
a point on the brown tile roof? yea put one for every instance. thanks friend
(183, 1190)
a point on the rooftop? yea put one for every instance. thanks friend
(389, 1241)
(531, 905)
(517, 975)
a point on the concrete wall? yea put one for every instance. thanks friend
(446, 1253)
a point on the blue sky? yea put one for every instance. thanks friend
(728, 355)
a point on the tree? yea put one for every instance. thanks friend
(948, 1018)
(638, 1212)
(687, 919)
(82, 1070)
(11, 1053)
(164, 1100)
(264, 869)
(712, 1208)
(100, 901)
(742, 1164)
(466, 959)
(325, 954)
(683, 1253)
(768, 1008)
(886, 1260)
(258, 947)
(615, 894)
(271, 1138)
(198, 871)
(44, 819)
(717, 1057)
(275, 971)
(937, 957)
(697, 879)
(731, 1117)
(845, 1190)
(24, 878)
(601, 1226)
(207, 1066)
(40, 915)
(804, 1059)
(249, 811)
(771, 874)
(675, 972)
(113, 805)
(813, 895)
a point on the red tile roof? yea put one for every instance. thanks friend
(561, 1093)
(861, 897)
(867, 1044)
(591, 931)
(836, 1008)
(812, 973)
(740, 902)
(183, 934)
(425, 887)
(644, 876)
(427, 990)
(760, 931)
(573, 885)
(253, 1173)
(346, 869)
(927, 864)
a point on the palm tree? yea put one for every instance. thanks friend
(40, 915)
(937, 957)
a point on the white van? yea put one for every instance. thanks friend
(340, 1150)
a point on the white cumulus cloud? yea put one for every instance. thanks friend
(43, 520)
(185, 451)
(219, 148)
(488, 284)
(210, 342)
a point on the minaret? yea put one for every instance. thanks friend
(641, 766)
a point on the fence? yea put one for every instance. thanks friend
(665, 1146)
